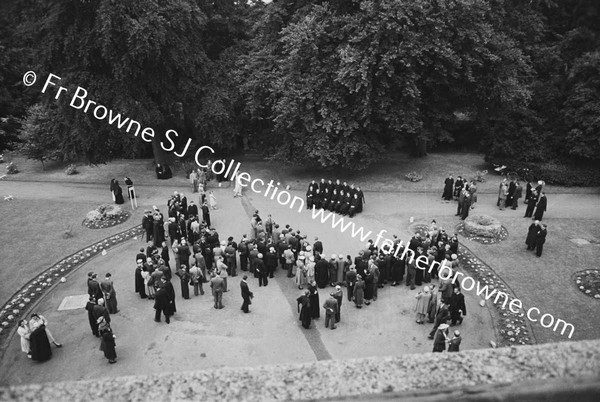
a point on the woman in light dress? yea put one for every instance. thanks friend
(212, 200)
(24, 332)
(423, 299)
(237, 189)
(301, 272)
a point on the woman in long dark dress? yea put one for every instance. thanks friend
(40, 345)
(314, 300)
(448, 188)
(305, 312)
(118, 193)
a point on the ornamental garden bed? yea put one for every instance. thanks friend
(104, 216)
(483, 229)
(588, 282)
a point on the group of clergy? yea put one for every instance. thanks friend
(336, 197)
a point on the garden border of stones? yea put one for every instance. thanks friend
(514, 328)
(27, 297)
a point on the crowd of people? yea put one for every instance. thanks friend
(201, 257)
(336, 197)
(509, 193)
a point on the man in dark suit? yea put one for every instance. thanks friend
(518, 194)
(246, 294)
(457, 307)
(192, 210)
(540, 239)
(206, 214)
(318, 246)
(531, 202)
(541, 207)
(440, 318)
(99, 310)
(161, 303)
(94, 286)
(168, 286)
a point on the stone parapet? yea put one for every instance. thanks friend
(376, 378)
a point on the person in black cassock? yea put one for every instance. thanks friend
(140, 286)
(170, 295)
(304, 309)
(161, 303)
(89, 306)
(540, 239)
(118, 191)
(246, 294)
(448, 188)
(531, 233)
(542, 204)
(313, 297)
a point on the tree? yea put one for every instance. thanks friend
(37, 135)
(341, 84)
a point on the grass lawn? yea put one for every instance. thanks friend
(385, 175)
(32, 237)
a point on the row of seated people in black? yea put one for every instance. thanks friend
(336, 197)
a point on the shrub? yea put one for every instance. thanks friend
(483, 225)
(93, 215)
(413, 176)
(480, 176)
(113, 211)
(11, 168)
(71, 169)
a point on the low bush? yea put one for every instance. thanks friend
(413, 176)
(71, 169)
(11, 168)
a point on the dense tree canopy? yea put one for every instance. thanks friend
(335, 83)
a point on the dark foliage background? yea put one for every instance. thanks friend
(334, 83)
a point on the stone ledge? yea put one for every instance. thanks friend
(336, 379)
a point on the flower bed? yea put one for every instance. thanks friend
(483, 229)
(104, 216)
(513, 327)
(21, 301)
(420, 228)
(588, 282)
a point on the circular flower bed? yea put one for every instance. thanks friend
(420, 228)
(588, 282)
(105, 216)
(461, 229)
(483, 225)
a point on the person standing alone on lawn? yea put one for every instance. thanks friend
(246, 294)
